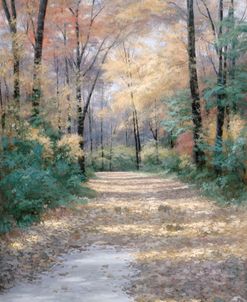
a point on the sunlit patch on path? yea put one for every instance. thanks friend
(189, 249)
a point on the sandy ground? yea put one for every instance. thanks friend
(184, 247)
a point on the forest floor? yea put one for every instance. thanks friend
(182, 246)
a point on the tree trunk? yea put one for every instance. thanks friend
(126, 136)
(38, 49)
(135, 116)
(232, 68)
(90, 121)
(138, 135)
(2, 109)
(220, 101)
(102, 133)
(110, 159)
(102, 144)
(67, 79)
(11, 16)
(59, 118)
(199, 156)
(136, 143)
(80, 132)
(156, 133)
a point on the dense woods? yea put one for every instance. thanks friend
(119, 85)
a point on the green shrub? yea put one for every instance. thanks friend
(172, 162)
(121, 158)
(32, 179)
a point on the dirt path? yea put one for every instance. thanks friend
(98, 274)
(186, 248)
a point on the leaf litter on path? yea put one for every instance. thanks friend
(186, 248)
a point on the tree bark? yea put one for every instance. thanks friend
(38, 49)
(102, 136)
(3, 116)
(232, 68)
(67, 78)
(90, 121)
(59, 118)
(111, 149)
(136, 143)
(220, 99)
(199, 155)
(11, 16)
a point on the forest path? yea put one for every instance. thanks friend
(182, 246)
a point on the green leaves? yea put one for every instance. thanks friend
(29, 182)
(179, 115)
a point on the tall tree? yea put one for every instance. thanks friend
(199, 156)
(38, 49)
(220, 96)
(136, 131)
(11, 15)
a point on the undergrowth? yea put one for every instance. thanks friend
(228, 188)
(37, 172)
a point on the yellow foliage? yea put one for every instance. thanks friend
(35, 135)
(72, 142)
(149, 151)
(235, 127)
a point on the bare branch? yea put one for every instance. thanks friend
(7, 13)
(184, 14)
(210, 18)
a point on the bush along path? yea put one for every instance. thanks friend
(181, 246)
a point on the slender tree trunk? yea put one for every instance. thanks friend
(102, 143)
(6, 90)
(38, 49)
(80, 114)
(233, 48)
(126, 136)
(59, 119)
(81, 159)
(199, 156)
(78, 71)
(90, 121)
(2, 109)
(220, 100)
(135, 116)
(67, 79)
(136, 143)
(156, 139)
(138, 135)
(156, 132)
(16, 56)
(102, 133)
(172, 143)
(11, 16)
(110, 159)
(225, 72)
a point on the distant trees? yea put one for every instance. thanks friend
(140, 51)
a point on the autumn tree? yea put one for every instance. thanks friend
(11, 16)
(199, 155)
(38, 49)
